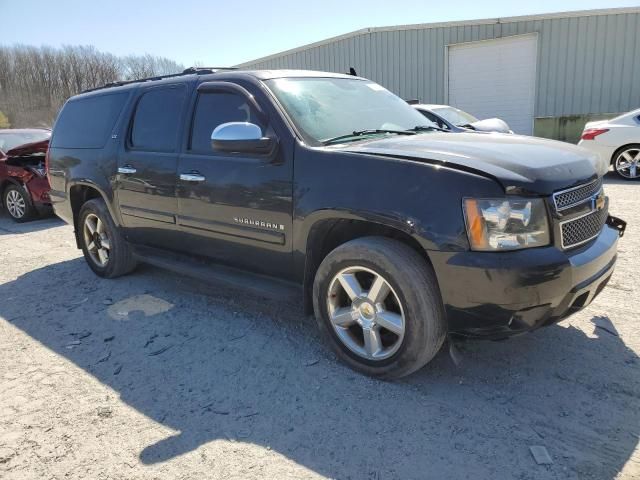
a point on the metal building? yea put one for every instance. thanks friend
(544, 74)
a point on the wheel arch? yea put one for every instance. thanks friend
(326, 233)
(617, 151)
(9, 181)
(79, 194)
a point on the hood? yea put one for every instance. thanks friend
(492, 125)
(523, 165)
(30, 154)
(29, 149)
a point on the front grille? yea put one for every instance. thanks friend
(582, 229)
(573, 196)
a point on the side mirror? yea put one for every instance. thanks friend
(241, 137)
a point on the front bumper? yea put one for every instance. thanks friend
(494, 295)
(38, 188)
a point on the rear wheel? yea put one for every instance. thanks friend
(17, 202)
(626, 162)
(106, 251)
(377, 302)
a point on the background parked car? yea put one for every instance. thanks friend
(454, 119)
(24, 187)
(617, 141)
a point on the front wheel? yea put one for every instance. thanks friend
(377, 302)
(18, 203)
(626, 162)
(106, 251)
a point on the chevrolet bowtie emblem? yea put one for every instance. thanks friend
(597, 202)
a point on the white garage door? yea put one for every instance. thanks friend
(495, 78)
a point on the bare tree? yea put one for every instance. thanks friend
(36, 81)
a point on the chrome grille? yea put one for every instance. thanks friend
(582, 229)
(573, 196)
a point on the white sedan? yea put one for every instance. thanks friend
(617, 141)
(456, 120)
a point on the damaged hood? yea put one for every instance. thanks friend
(29, 149)
(522, 165)
(29, 154)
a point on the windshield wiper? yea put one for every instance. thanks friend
(360, 133)
(427, 128)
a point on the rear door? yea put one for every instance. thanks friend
(148, 163)
(239, 211)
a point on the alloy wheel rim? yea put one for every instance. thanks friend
(16, 204)
(96, 240)
(628, 163)
(366, 313)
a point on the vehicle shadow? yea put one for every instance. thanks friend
(9, 227)
(214, 364)
(614, 179)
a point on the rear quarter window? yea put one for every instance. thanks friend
(87, 122)
(157, 118)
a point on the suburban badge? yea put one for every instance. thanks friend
(258, 223)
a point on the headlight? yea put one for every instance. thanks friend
(495, 224)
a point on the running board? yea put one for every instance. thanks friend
(208, 271)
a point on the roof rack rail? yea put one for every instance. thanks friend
(186, 71)
(206, 69)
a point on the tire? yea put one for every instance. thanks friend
(105, 237)
(17, 202)
(631, 151)
(413, 299)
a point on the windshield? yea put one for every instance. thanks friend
(9, 140)
(325, 108)
(455, 116)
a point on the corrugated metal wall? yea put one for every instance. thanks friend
(586, 64)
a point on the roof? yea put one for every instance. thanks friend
(271, 74)
(219, 75)
(421, 26)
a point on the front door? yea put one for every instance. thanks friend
(236, 208)
(147, 167)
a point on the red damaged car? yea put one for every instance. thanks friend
(24, 188)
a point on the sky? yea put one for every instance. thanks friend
(224, 33)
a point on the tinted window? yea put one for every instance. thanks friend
(155, 124)
(213, 109)
(87, 122)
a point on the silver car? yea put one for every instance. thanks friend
(454, 119)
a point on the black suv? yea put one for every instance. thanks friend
(395, 233)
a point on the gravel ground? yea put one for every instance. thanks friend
(155, 375)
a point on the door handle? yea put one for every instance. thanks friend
(127, 169)
(192, 177)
